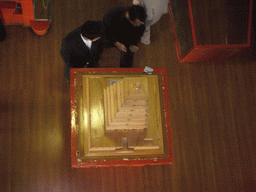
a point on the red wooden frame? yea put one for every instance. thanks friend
(11, 15)
(104, 163)
(199, 53)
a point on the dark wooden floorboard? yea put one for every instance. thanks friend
(212, 105)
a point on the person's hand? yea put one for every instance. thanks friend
(133, 48)
(120, 47)
(136, 2)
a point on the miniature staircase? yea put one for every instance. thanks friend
(130, 113)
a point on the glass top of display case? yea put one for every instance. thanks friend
(119, 117)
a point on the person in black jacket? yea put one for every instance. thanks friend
(83, 46)
(124, 27)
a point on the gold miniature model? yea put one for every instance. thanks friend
(118, 114)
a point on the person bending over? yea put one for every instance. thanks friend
(124, 27)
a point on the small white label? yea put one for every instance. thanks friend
(148, 70)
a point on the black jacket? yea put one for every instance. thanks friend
(76, 54)
(118, 28)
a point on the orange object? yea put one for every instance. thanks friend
(27, 11)
(40, 27)
(23, 16)
(10, 14)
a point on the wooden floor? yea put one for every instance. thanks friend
(212, 105)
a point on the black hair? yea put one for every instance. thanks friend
(92, 29)
(137, 12)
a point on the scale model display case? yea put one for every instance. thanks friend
(119, 117)
(207, 30)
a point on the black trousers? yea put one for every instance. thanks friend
(2, 31)
(126, 59)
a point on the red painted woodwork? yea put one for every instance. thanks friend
(22, 16)
(40, 27)
(188, 46)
